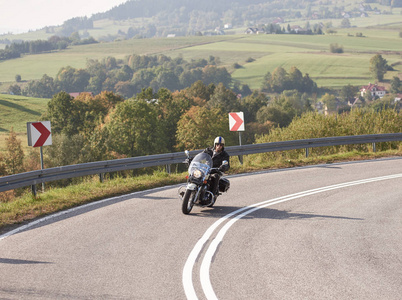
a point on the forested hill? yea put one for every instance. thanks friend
(150, 8)
(190, 17)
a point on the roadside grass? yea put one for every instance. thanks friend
(26, 208)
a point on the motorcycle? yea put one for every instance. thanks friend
(198, 188)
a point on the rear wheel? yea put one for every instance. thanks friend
(188, 202)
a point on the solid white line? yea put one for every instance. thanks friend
(206, 263)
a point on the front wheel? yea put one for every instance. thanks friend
(188, 202)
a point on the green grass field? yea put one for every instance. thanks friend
(308, 53)
(15, 112)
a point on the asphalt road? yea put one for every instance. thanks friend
(324, 232)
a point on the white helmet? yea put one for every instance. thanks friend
(219, 140)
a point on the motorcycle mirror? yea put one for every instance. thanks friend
(225, 162)
(187, 153)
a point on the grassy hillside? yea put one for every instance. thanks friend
(15, 112)
(309, 53)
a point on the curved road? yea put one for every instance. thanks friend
(321, 232)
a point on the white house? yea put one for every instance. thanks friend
(374, 89)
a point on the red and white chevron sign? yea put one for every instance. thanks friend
(39, 134)
(236, 121)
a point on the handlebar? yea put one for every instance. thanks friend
(216, 170)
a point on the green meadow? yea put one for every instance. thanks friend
(15, 112)
(310, 54)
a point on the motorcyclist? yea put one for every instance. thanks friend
(220, 159)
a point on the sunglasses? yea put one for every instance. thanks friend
(217, 144)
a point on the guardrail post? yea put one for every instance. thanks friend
(374, 147)
(101, 177)
(33, 189)
(307, 151)
(168, 169)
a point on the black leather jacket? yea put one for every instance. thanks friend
(218, 158)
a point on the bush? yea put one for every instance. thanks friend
(237, 66)
(314, 125)
(335, 48)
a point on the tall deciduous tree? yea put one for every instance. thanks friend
(224, 98)
(133, 129)
(212, 74)
(199, 126)
(348, 92)
(171, 107)
(61, 114)
(378, 67)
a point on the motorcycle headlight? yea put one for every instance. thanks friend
(197, 173)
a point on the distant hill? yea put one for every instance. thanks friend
(161, 18)
(150, 8)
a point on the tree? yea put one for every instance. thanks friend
(348, 92)
(14, 155)
(279, 80)
(345, 23)
(212, 74)
(142, 79)
(125, 73)
(295, 79)
(224, 98)
(198, 127)
(171, 107)
(14, 89)
(396, 85)
(276, 114)
(72, 80)
(125, 88)
(61, 113)
(133, 129)
(335, 48)
(44, 88)
(378, 67)
(167, 79)
(187, 78)
(199, 90)
(309, 86)
(65, 150)
(329, 101)
(251, 104)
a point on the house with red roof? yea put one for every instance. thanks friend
(375, 90)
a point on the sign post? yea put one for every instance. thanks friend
(236, 123)
(39, 134)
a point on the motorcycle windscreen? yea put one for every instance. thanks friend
(202, 161)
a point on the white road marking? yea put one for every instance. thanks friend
(240, 213)
(55, 215)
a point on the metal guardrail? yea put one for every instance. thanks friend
(40, 176)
